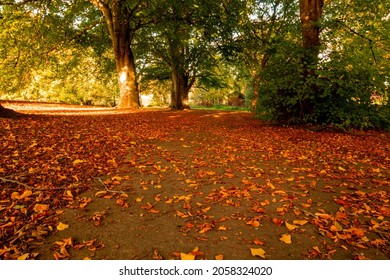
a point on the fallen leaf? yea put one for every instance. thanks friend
(23, 257)
(257, 241)
(219, 257)
(286, 238)
(78, 161)
(258, 252)
(62, 226)
(300, 222)
(184, 256)
(277, 221)
(39, 208)
(100, 193)
(323, 216)
(290, 226)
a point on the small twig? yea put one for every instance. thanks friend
(304, 211)
(32, 188)
(15, 182)
(107, 189)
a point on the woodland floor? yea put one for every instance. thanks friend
(82, 182)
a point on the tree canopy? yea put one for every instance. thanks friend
(316, 61)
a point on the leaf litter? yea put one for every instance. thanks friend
(219, 182)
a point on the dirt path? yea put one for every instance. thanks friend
(212, 184)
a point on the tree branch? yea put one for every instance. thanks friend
(8, 3)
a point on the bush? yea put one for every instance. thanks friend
(338, 93)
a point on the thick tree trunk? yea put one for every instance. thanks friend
(180, 90)
(117, 19)
(129, 94)
(310, 13)
(8, 113)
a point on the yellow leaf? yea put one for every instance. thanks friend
(124, 195)
(25, 194)
(219, 257)
(138, 199)
(41, 207)
(222, 228)
(77, 161)
(323, 216)
(100, 193)
(15, 195)
(341, 169)
(299, 222)
(62, 226)
(286, 238)
(290, 226)
(184, 256)
(69, 193)
(116, 178)
(258, 252)
(317, 249)
(23, 257)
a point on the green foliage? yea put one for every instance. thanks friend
(348, 85)
(55, 52)
(342, 92)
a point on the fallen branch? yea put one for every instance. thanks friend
(107, 189)
(15, 182)
(31, 188)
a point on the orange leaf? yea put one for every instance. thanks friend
(258, 252)
(41, 207)
(62, 226)
(323, 216)
(219, 257)
(299, 222)
(286, 238)
(184, 256)
(257, 241)
(154, 211)
(290, 226)
(277, 221)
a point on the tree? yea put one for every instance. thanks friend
(181, 41)
(124, 18)
(310, 15)
(329, 67)
(55, 51)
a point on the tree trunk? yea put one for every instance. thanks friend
(117, 19)
(128, 88)
(180, 89)
(8, 113)
(310, 14)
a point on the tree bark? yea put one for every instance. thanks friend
(118, 23)
(8, 113)
(182, 80)
(310, 14)
(181, 85)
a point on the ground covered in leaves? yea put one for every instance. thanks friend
(93, 183)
